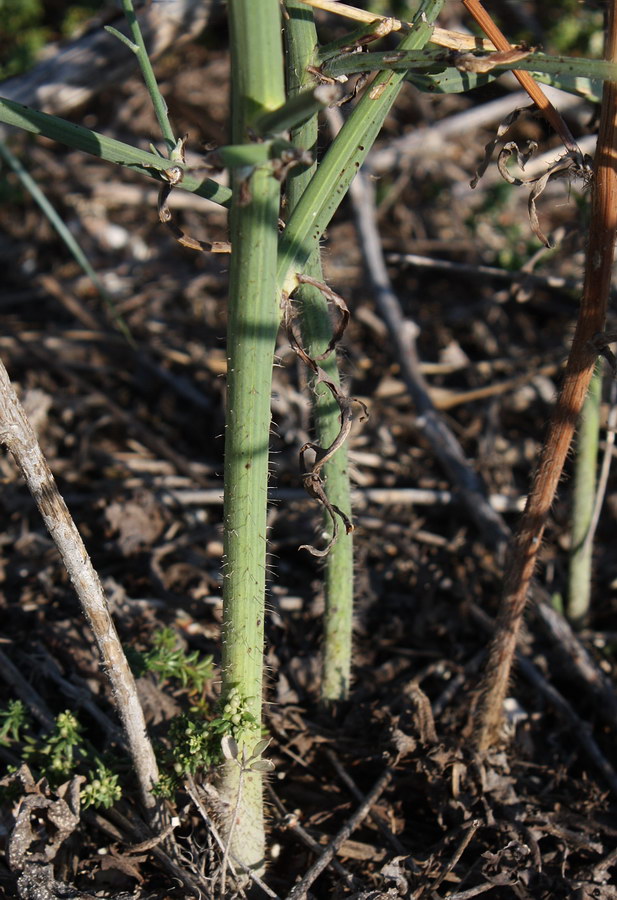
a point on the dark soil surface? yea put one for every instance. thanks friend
(134, 435)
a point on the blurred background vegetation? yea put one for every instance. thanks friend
(27, 25)
(566, 26)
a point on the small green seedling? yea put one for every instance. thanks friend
(14, 719)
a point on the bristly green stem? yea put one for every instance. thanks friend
(316, 327)
(253, 319)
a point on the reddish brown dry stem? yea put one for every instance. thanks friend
(553, 117)
(578, 373)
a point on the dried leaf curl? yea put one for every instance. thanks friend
(570, 164)
(311, 478)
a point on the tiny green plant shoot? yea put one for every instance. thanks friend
(269, 271)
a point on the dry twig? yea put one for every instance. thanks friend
(300, 890)
(488, 26)
(579, 728)
(17, 436)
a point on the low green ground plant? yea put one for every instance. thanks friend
(59, 754)
(192, 741)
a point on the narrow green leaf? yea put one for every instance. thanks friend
(296, 110)
(453, 81)
(450, 81)
(122, 37)
(262, 765)
(347, 153)
(72, 245)
(158, 101)
(260, 747)
(80, 138)
(402, 61)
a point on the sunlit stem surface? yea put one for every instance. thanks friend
(253, 318)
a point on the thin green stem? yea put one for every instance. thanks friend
(579, 583)
(80, 138)
(73, 247)
(401, 61)
(297, 110)
(301, 42)
(160, 107)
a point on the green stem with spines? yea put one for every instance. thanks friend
(253, 320)
(401, 61)
(301, 42)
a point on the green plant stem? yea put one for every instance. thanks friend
(160, 107)
(301, 42)
(299, 108)
(80, 138)
(253, 319)
(583, 500)
(323, 195)
(400, 61)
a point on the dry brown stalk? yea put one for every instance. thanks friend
(578, 373)
(490, 29)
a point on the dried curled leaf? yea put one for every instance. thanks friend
(489, 149)
(185, 239)
(342, 308)
(311, 479)
(572, 164)
(173, 176)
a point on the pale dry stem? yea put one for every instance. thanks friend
(17, 436)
